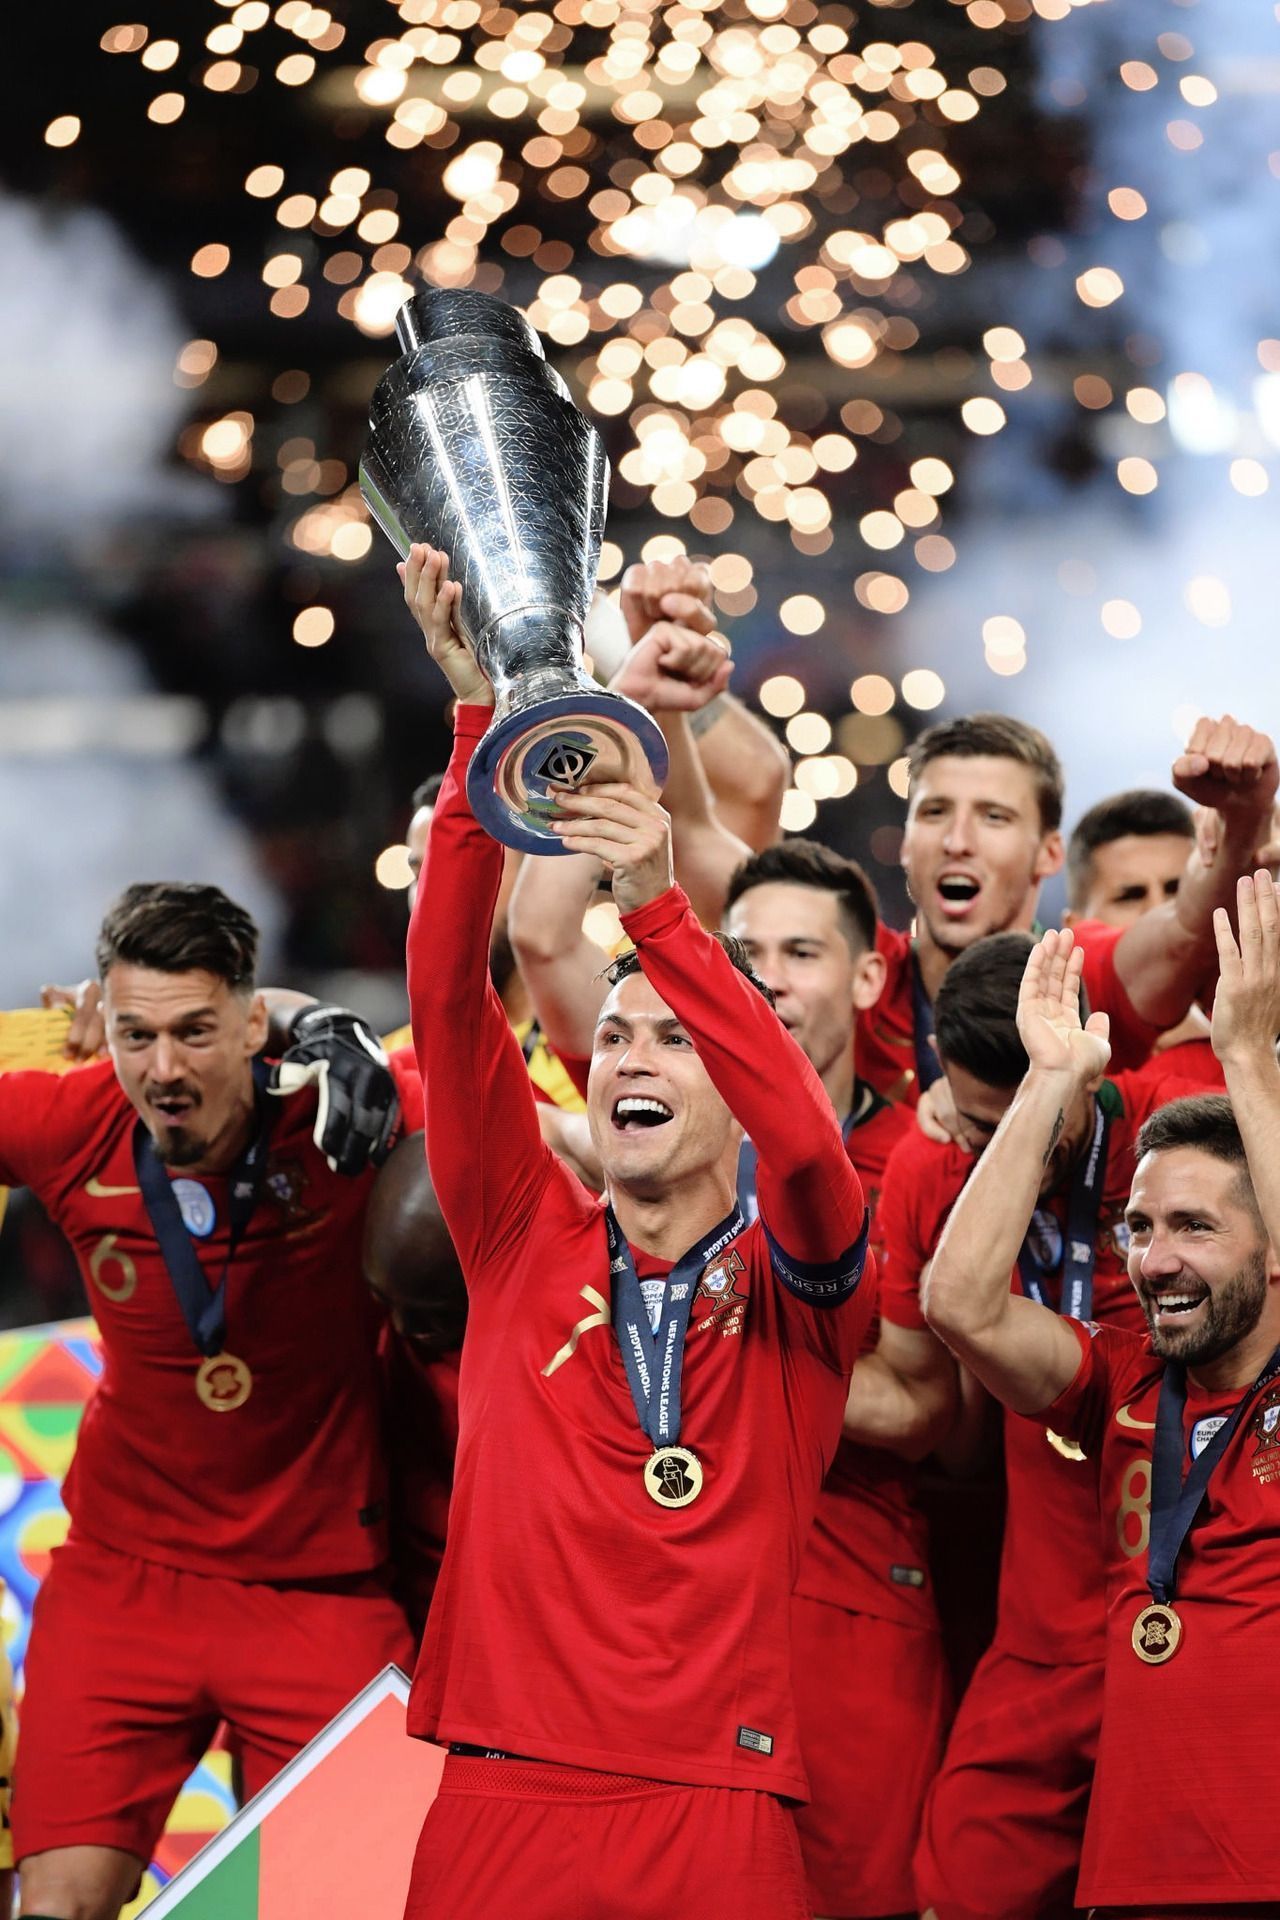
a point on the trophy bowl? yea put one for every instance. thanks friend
(476, 448)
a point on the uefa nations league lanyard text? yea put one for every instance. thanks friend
(655, 1361)
(203, 1308)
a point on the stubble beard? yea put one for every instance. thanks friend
(1233, 1312)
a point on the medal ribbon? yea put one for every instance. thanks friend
(1080, 1241)
(654, 1361)
(928, 1065)
(866, 1104)
(1175, 1501)
(203, 1309)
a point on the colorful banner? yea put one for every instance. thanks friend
(46, 1375)
(334, 1832)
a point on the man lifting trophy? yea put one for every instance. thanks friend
(476, 448)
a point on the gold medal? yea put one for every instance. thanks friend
(673, 1476)
(223, 1383)
(1157, 1634)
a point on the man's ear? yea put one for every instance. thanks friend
(1050, 855)
(256, 1026)
(869, 974)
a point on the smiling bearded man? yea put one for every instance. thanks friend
(1180, 1425)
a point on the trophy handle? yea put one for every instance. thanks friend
(558, 735)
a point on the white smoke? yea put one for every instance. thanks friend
(88, 413)
(88, 406)
(1202, 276)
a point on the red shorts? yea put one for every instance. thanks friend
(1004, 1820)
(873, 1700)
(521, 1840)
(131, 1666)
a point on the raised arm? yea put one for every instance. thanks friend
(561, 965)
(1164, 958)
(672, 672)
(1246, 1021)
(485, 1151)
(1025, 1354)
(747, 768)
(810, 1197)
(903, 1397)
(705, 853)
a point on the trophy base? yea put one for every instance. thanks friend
(562, 739)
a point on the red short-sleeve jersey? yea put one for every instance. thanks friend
(1205, 1831)
(869, 1547)
(886, 1034)
(1050, 1540)
(575, 1620)
(289, 1486)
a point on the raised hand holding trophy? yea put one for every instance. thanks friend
(476, 448)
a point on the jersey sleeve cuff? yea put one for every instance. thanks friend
(470, 720)
(826, 1283)
(656, 916)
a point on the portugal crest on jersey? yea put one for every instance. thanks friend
(1264, 1431)
(728, 1305)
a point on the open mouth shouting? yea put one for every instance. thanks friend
(173, 1108)
(639, 1113)
(957, 892)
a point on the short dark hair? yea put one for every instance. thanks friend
(975, 1013)
(175, 927)
(427, 794)
(1144, 811)
(1206, 1122)
(1201, 1120)
(807, 863)
(629, 962)
(1003, 738)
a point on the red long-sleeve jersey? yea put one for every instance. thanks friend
(575, 1620)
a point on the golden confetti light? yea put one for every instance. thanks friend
(195, 363)
(798, 811)
(1137, 475)
(1121, 619)
(983, 416)
(872, 694)
(391, 869)
(1250, 478)
(782, 695)
(209, 261)
(313, 627)
(1208, 600)
(730, 143)
(1099, 286)
(808, 732)
(1145, 405)
(923, 689)
(1003, 637)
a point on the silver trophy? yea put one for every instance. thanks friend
(476, 448)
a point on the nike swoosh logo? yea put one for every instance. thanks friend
(1125, 1419)
(96, 1191)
